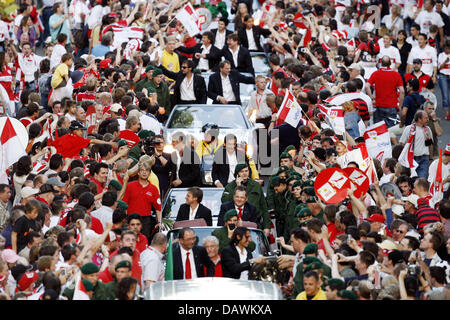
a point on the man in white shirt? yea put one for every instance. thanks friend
(58, 50)
(80, 13)
(444, 78)
(427, 54)
(105, 212)
(428, 17)
(116, 113)
(221, 33)
(28, 65)
(149, 121)
(390, 51)
(152, 260)
(258, 103)
(412, 39)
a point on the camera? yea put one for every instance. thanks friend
(339, 58)
(303, 50)
(149, 146)
(413, 270)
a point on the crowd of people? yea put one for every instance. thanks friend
(94, 82)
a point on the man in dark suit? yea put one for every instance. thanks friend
(193, 209)
(188, 172)
(236, 259)
(253, 31)
(221, 33)
(206, 55)
(246, 210)
(188, 85)
(223, 86)
(238, 55)
(190, 260)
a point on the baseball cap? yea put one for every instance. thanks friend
(447, 150)
(376, 218)
(417, 61)
(411, 198)
(115, 107)
(398, 209)
(55, 182)
(28, 191)
(388, 245)
(45, 188)
(75, 125)
(355, 66)
(27, 279)
(10, 256)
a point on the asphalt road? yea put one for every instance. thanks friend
(445, 124)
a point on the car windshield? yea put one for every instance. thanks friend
(211, 200)
(201, 233)
(260, 64)
(193, 117)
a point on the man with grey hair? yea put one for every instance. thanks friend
(211, 244)
(152, 260)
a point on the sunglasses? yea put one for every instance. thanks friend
(184, 67)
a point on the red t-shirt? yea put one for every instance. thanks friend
(96, 224)
(141, 243)
(142, 199)
(332, 232)
(274, 86)
(131, 137)
(217, 269)
(70, 145)
(424, 80)
(386, 82)
(5, 80)
(100, 187)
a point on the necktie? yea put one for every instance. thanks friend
(240, 213)
(187, 270)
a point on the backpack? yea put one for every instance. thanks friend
(373, 47)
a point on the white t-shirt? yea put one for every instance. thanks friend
(413, 42)
(428, 55)
(425, 19)
(80, 7)
(152, 265)
(419, 140)
(397, 23)
(445, 172)
(57, 53)
(393, 53)
(446, 69)
(150, 123)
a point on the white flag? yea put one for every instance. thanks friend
(188, 17)
(11, 148)
(290, 111)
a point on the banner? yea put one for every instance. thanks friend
(13, 142)
(364, 161)
(188, 17)
(359, 180)
(290, 111)
(378, 141)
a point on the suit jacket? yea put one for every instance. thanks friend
(231, 263)
(201, 260)
(202, 212)
(199, 85)
(248, 213)
(213, 56)
(221, 168)
(257, 33)
(244, 60)
(227, 33)
(215, 85)
(189, 172)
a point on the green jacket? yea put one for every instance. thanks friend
(135, 153)
(163, 95)
(101, 292)
(291, 221)
(144, 83)
(281, 209)
(222, 235)
(255, 197)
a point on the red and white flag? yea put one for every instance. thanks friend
(364, 161)
(334, 115)
(378, 141)
(11, 149)
(80, 292)
(188, 17)
(290, 111)
(436, 187)
(406, 157)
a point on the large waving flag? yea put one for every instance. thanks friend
(363, 159)
(290, 111)
(334, 115)
(303, 29)
(188, 17)
(378, 141)
(436, 187)
(11, 147)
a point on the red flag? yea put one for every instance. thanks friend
(11, 148)
(436, 186)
